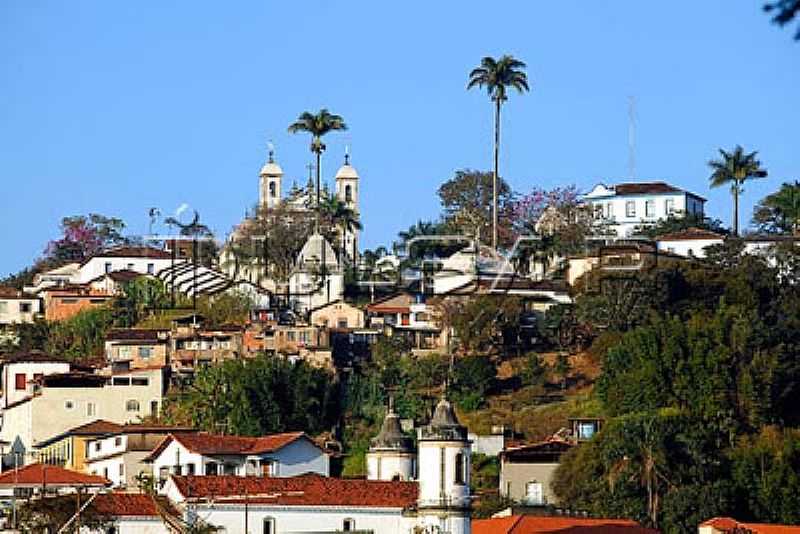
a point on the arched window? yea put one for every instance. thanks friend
(349, 524)
(269, 525)
(132, 406)
(459, 468)
(272, 189)
(348, 193)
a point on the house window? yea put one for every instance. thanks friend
(269, 525)
(118, 441)
(609, 211)
(669, 206)
(97, 446)
(69, 405)
(460, 468)
(268, 468)
(154, 408)
(534, 493)
(348, 524)
(348, 193)
(132, 406)
(24, 307)
(121, 381)
(130, 266)
(229, 469)
(405, 319)
(650, 208)
(630, 208)
(151, 268)
(20, 381)
(105, 472)
(190, 469)
(342, 323)
(91, 409)
(140, 381)
(108, 267)
(211, 469)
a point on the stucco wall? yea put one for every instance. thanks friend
(514, 477)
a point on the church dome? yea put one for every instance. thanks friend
(313, 251)
(391, 436)
(444, 425)
(346, 171)
(271, 168)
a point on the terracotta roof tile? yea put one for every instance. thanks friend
(128, 505)
(48, 475)
(211, 444)
(304, 490)
(727, 524)
(530, 524)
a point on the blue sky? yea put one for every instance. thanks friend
(115, 107)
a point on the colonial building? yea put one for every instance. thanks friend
(391, 455)
(625, 206)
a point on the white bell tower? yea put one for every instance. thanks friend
(270, 176)
(444, 470)
(391, 453)
(347, 191)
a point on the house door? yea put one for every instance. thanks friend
(534, 493)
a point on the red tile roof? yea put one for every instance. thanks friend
(531, 524)
(38, 475)
(637, 188)
(96, 427)
(727, 524)
(204, 443)
(690, 234)
(125, 504)
(304, 490)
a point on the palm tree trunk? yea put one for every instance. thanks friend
(318, 206)
(498, 102)
(736, 208)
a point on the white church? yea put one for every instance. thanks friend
(406, 491)
(318, 276)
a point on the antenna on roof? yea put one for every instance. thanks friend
(632, 138)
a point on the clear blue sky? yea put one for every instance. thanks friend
(115, 107)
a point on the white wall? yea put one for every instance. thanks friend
(305, 519)
(29, 369)
(614, 209)
(688, 247)
(386, 465)
(430, 472)
(11, 310)
(134, 525)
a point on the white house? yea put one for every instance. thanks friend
(17, 307)
(142, 260)
(691, 242)
(119, 456)
(61, 401)
(625, 206)
(276, 455)
(59, 276)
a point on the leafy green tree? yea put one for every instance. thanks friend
(139, 296)
(779, 213)
(231, 307)
(82, 335)
(318, 125)
(338, 213)
(497, 76)
(467, 201)
(473, 377)
(484, 323)
(258, 396)
(733, 169)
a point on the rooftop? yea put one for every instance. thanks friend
(43, 475)
(129, 505)
(303, 490)
(212, 444)
(531, 524)
(690, 234)
(134, 252)
(134, 334)
(727, 524)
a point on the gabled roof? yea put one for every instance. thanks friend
(303, 490)
(690, 234)
(130, 505)
(645, 188)
(727, 524)
(397, 303)
(43, 475)
(532, 524)
(214, 444)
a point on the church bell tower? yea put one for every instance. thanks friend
(270, 183)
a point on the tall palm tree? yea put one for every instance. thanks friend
(317, 125)
(497, 75)
(734, 169)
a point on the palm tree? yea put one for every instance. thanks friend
(341, 214)
(498, 75)
(735, 168)
(317, 125)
